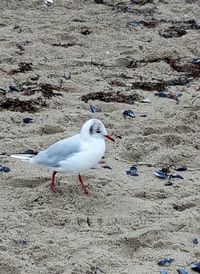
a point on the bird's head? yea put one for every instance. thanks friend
(94, 128)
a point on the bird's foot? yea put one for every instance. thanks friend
(84, 187)
(56, 190)
(53, 188)
(86, 192)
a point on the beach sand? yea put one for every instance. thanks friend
(128, 223)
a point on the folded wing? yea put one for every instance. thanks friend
(57, 152)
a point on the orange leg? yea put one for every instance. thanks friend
(82, 185)
(53, 183)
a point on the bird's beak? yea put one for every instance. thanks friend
(109, 137)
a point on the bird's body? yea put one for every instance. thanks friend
(73, 155)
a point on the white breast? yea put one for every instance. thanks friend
(89, 155)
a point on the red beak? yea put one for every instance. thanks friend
(109, 137)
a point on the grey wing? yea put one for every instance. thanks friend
(57, 152)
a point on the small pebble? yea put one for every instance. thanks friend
(162, 271)
(181, 168)
(178, 94)
(195, 241)
(4, 169)
(132, 171)
(94, 109)
(165, 261)
(48, 2)
(178, 176)
(16, 88)
(24, 43)
(28, 120)
(134, 24)
(23, 242)
(145, 100)
(100, 2)
(168, 183)
(107, 167)
(182, 271)
(161, 94)
(35, 77)
(197, 24)
(128, 113)
(196, 267)
(196, 61)
(160, 174)
(67, 77)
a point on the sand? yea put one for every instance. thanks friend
(128, 223)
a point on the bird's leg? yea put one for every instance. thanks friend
(82, 184)
(53, 184)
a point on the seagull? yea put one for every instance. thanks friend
(72, 155)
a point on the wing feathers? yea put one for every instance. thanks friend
(23, 157)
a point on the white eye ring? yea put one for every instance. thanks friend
(98, 131)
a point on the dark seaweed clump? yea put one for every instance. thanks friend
(16, 104)
(111, 97)
(161, 85)
(22, 67)
(23, 104)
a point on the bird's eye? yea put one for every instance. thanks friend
(98, 131)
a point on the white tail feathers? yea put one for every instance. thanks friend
(23, 157)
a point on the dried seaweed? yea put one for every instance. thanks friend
(173, 31)
(162, 85)
(117, 82)
(148, 85)
(112, 97)
(70, 44)
(191, 1)
(141, 2)
(20, 47)
(169, 95)
(191, 69)
(18, 28)
(2, 91)
(15, 104)
(85, 30)
(191, 24)
(150, 24)
(122, 7)
(32, 104)
(179, 28)
(133, 2)
(102, 2)
(47, 90)
(94, 269)
(23, 67)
